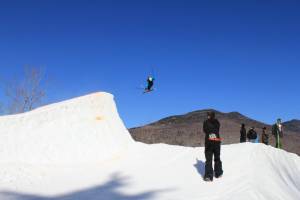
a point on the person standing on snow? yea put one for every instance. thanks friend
(243, 133)
(265, 136)
(278, 133)
(211, 128)
(252, 135)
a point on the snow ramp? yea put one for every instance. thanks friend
(84, 129)
(80, 150)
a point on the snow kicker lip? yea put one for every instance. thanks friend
(83, 129)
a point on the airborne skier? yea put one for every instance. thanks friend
(150, 83)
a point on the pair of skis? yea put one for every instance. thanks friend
(145, 90)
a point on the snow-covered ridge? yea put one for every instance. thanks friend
(83, 129)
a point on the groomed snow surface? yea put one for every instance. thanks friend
(80, 150)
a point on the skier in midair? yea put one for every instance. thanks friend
(277, 131)
(150, 83)
(211, 128)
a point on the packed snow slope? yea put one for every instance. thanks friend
(80, 150)
(71, 131)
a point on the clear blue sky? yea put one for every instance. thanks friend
(229, 55)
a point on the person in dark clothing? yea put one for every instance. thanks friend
(252, 135)
(150, 83)
(243, 133)
(211, 128)
(277, 131)
(265, 136)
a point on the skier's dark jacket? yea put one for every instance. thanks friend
(251, 135)
(275, 131)
(150, 83)
(211, 126)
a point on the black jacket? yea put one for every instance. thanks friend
(264, 137)
(211, 126)
(252, 135)
(243, 134)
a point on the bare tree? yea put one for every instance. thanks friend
(27, 93)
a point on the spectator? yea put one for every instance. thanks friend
(211, 128)
(264, 136)
(243, 133)
(277, 131)
(252, 135)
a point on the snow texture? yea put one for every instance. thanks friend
(80, 150)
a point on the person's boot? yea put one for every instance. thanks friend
(208, 178)
(218, 175)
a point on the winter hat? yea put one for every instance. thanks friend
(211, 114)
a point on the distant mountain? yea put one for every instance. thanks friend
(293, 125)
(186, 130)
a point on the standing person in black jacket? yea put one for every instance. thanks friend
(211, 128)
(243, 132)
(264, 136)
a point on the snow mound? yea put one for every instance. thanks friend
(80, 150)
(84, 129)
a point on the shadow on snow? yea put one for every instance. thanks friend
(200, 166)
(107, 191)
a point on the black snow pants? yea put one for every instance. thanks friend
(213, 148)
